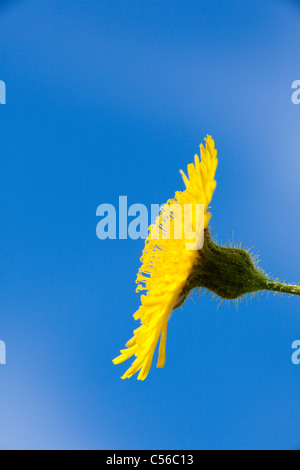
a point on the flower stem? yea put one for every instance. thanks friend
(284, 288)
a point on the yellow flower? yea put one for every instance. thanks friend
(170, 270)
(167, 265)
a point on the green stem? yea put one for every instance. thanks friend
(284, 288)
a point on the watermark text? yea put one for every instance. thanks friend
(2, 353)
(296, 94)
(296, 353)
(176, 222)
(2, 92)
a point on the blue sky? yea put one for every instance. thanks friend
(109, 98)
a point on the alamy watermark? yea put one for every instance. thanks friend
(177, 223)
(296, 94)
(2, 92)
(2, 353)
(296, 353)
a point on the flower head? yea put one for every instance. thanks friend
(170, 270)
(167, 264)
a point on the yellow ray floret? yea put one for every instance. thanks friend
(166, 265)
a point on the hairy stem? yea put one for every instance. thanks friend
(284, 288)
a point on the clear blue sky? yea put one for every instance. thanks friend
(109, 98)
